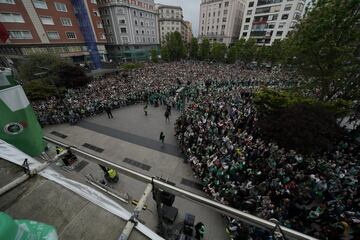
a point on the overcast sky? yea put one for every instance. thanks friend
(191, 9)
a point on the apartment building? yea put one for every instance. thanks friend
(188, 31)
(220, 20)
(171, 20)
(71, 29)
(268, 20)
(130, 27)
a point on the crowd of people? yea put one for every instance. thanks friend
(316, 194)
(155, 83)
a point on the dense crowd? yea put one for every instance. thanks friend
(316, 194)
(154, 83)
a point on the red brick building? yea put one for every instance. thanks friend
(69, 28)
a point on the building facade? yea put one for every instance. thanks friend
(71, 29)
(170, 20)
(188, 31)
(130, 28)
(220, 20)
(268, 20)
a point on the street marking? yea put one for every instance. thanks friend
(137, 164)
(92, 147)
(60, 135)
(191, 184)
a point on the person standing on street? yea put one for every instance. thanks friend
(145, 109)
(108, 111)
(162, 138)
(167, 115)
(199, 231)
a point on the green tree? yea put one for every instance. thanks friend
(218, 52)
(232, 54)
(194, 49)
(204, 49)
(30, 67)
(164, 52)
(246, 50)
(154, 55)
(275, 52)
(324, 49)
(39, 73)
(174, 48)
(39, 89)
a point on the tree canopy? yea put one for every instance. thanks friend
(324, 48)
(39, 73)
(194, 49)
(173, 49)
(204, 49)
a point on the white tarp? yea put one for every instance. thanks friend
(12, 154)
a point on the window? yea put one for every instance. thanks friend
(8, 2)
(47, 20)
(275, 8)
(285, 16)
(300, 7)
(125, 39)
(120, 10)
(107, 21)
(226, 4)
(281, 25)
(40, 4)
(70, 35)
(262, 10)
(264, 2)
(96, 13)
(93, 1)
(297, 16)
(249, 12)
(271, 26)
(223, 27)
(102, 36)
(11, 17)
(279, 33)
(219, 5)
(99, 25)
(224, 19)
(251, 4)
(225, 12)
(136, 22)
(142, 23)
(246, 27)
(53, 35)
(20, 35)
(287, 7)
(61, 7)
(66, 22)
(121, 21)
(244, 34)
(247, 20)
(123, 30)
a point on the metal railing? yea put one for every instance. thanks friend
(216, 206)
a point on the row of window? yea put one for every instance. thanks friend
(225, 12)
(25, 34)
(41, 4)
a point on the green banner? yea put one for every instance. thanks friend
(18, 123)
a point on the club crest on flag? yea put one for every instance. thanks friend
(13, 128)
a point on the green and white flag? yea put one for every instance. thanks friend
(18, 123)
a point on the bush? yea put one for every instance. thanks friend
(268, 101)
(70, 76)
(302, 127)
(39, 89)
